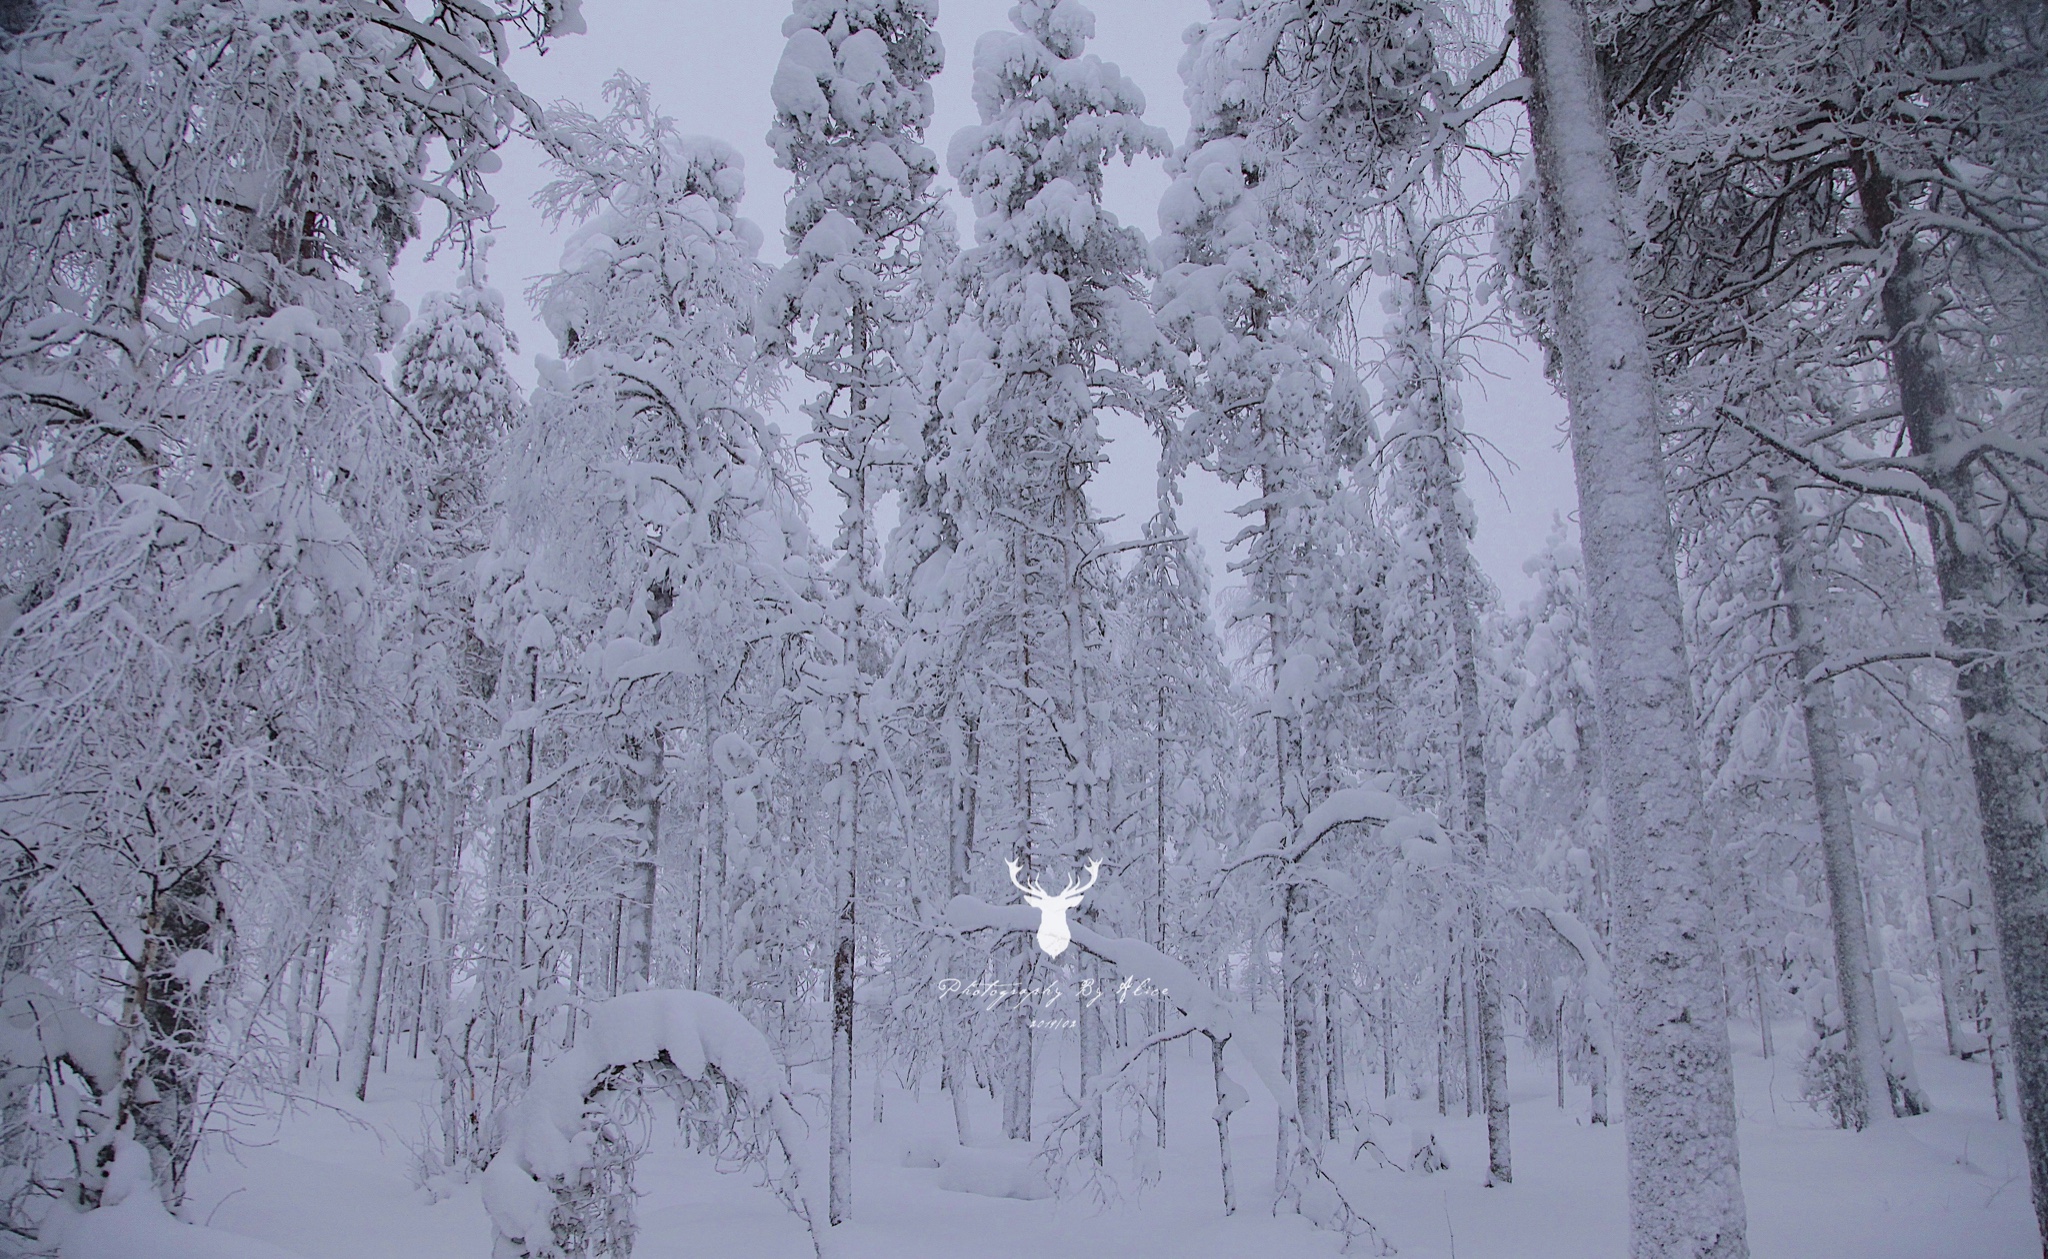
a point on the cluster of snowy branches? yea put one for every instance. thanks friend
(357, 702)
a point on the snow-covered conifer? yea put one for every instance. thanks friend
(1052, 326)
(852, 98)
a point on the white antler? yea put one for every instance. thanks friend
(1032, 889)
(1075, 888)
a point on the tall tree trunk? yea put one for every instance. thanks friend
(1443, 1042)
(1978, 594)
(1557, 1043)
(1154, 1016)
(1226, 1102)
(840, 1173)
(376, 933)
(166, 1016)
(1596, 1087)
(1473, 1069)
(1452, 560)
(529, 772)
(954, 1031)
(316, 966)
(1685, 1190)
(1090, 1032)
(1756, 981)
(1869, 1099)
(847, 861)
(644, 765)
(1017, 1098)
(1386, 1033)
(840, 1170)
(1298, 1003)
(1943, 934)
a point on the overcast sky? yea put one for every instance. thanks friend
(710, 63)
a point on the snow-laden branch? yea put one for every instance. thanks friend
(1419, 836)
(1574, 931)
(696, 1033)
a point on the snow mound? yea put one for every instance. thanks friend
(131, 1222)
(1005, 1172)
(924, 1151)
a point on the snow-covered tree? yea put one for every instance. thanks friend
(852, 98)
(1052, 326)
(1867, 199)
(451, 370)
(1437, 590)
(1685, 1195)
(1268, 401)
(648, 542)
(1174, 721)
(205, 203)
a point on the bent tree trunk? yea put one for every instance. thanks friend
(1869, 1098)
(1978, 595)
(1685, 1194)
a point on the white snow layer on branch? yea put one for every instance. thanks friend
(696, 1031)
(1418, 835)
(39, 1025)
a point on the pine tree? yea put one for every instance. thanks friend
(1052, 326)
(1685, 1194)
(1424, 450)
(451, 370)
(853, 96)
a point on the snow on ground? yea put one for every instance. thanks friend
(334, 1184)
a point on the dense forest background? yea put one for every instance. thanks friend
(688, 718)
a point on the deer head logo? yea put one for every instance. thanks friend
(1053, 934)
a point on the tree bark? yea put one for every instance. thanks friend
(1685, 1191)
(644, 758)
(966, 776)
(1978, 594)
(1225, 1103)
(166, 1015)
(1154, 1016)
(1298, 1004)
(840, 1170)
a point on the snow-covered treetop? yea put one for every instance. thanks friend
(1051, 119)
(1242, 297)
(852, 99)
(664, 266)
(646, 490)
(451, 364)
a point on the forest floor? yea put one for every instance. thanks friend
(335, 1182)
